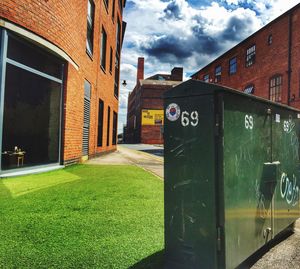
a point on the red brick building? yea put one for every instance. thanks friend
(59, 80)
(265, 64)
(145, 114)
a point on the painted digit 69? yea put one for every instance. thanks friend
(189, 119)
(195, 118)
(185, 121)
(249, 122)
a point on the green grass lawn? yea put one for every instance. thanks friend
(83, 216)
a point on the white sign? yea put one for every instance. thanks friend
(173, 112)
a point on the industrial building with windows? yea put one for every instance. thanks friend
(59, 69)
(145, 115)
(265, 64)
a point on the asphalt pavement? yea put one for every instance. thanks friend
(284, 255)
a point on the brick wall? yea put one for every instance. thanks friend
(271, 59)
(146, 96)
(64, 23)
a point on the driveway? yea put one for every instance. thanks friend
(144, 156)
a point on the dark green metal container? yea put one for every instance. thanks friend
(231, 174)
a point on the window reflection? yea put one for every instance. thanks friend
(31, 119)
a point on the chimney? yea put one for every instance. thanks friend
(177, 73)
(140, 69)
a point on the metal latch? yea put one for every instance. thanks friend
(219, 238)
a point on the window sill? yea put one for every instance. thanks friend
(247, 66)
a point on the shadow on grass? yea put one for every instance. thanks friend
(154, 261)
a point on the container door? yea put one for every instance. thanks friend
(285, 144)
(248, 189)
(190, 208)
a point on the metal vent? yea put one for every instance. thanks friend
(86, 118)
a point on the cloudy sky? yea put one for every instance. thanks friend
(187, 33)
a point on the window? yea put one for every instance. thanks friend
(108, 126)
(121, 4)
(110, 60)
(218, 73)
(250, 56)
(206, 78)
(106, 2)
(115, 126)
(118, 37)
(270, 40)
(232, 66)
(117, 59)
(90, 27)
(249, 89)
(100, 123)
(113, 10)
(34, 99)
(86, 118)
(275, 88)
(103, 49)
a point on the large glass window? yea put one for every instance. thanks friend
(275, 88)
(90, 27)
(33, 57)
(31, 106)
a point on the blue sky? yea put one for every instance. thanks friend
(187, 33)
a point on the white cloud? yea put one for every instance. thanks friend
(174, 33)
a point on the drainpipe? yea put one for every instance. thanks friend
(290, 57)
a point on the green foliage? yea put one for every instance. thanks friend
(83, 216)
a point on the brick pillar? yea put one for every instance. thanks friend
(140, 69)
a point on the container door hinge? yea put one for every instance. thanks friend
(219, 245)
